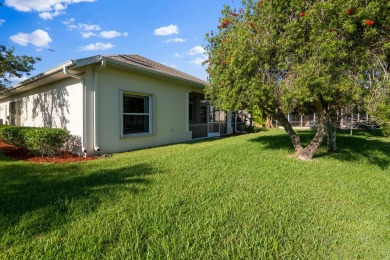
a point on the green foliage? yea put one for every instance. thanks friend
(282, 55)
(12, 65)
(382, 112)
(229, 198)
(39, 140)
(253, 129)
(46, 141)
(386, 130)
(13, 135)
(3, 126)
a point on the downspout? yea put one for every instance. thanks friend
(82, 79)
(95, 103)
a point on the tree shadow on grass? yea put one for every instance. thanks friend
(42, 197)
(282, 141)
(358, 148)
(350, 148)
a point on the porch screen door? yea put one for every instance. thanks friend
(214, 122)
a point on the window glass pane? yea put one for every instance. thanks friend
(134, 124)
(135, 104)
(203, 115)
(190, 111)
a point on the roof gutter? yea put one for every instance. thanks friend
(95, 103)
(66, 72)
(38, 77)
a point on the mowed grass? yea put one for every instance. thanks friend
(229, 198)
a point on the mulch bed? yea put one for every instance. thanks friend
(18, 153)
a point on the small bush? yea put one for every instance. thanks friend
(39, 140)
(4, 126)
(253, 129)
(13, 135)
(1, 128)
(386, 130)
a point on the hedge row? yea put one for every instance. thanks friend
(39, 140)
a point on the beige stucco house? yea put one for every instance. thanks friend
(115, 103)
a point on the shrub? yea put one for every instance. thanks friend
(386, 130)
(253, 129)
(39, 140)
(2, 127)
(46, 141)
(13, 135)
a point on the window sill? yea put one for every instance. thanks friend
(127, 136)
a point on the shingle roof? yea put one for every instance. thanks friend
(145, 63)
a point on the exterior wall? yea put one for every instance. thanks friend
(56, 105)
(170, 111)
(4, 113)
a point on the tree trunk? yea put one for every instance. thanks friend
(290, 131)
(308, 152)
(269, 123)
(332, 132)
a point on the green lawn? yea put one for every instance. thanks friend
(239, 197)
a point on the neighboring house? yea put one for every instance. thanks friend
(345, 119)
(115, 103)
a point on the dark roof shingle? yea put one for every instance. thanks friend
(145, 63)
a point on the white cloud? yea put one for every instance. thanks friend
(196, 50)
(198, 61)
(167, 30)
(172, 65)
(89, 27)
(49, 15)
(47, 8)
(69, 21)
(86, 35)
(84, 27)
(86, 30)
(14, 80)
(111, 34)
(97, 46)
(38, 38)
(2, 21)
(175, 40)
(59, 7)
(177, 55)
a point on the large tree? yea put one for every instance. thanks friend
(12, 65)
(277, 56)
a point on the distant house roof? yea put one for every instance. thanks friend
(134, 62)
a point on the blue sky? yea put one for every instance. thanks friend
(171, 32)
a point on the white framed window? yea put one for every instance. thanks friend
(136, 114)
